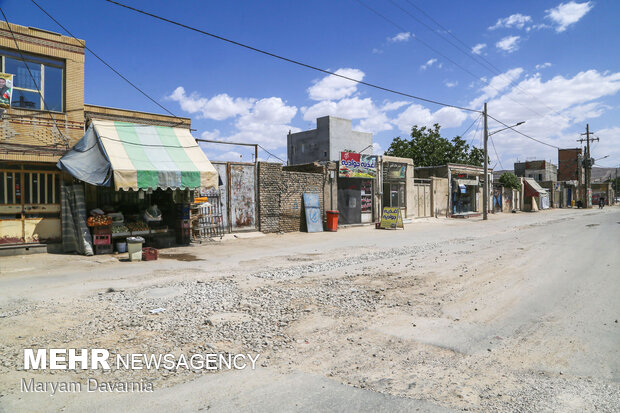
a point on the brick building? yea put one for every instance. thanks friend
(46, 117)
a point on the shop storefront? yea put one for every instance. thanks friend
(395, 185)
(357, 176)
(465, 193)
(136, 179)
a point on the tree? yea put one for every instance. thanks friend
(427, 148)
(510, 180)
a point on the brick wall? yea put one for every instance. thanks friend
(35, 128)
(280, 197)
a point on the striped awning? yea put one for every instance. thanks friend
(143, 157)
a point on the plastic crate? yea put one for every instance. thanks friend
(103, 249)
(102, 239)
(149, 254)
(103, 230)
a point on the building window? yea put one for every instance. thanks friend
(48, 79)
(34, 187)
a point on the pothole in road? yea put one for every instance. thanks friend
(592, 225)
(179, 257)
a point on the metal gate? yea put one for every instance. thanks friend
(242, 196)
(422, 191)
(29, 205)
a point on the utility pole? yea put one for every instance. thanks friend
(485, 190)
(587, 163)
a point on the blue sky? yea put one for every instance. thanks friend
(555, 65)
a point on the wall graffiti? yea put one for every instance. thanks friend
(242, 197)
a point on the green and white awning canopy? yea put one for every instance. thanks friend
(150, 157)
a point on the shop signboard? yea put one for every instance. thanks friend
(392, 218)
(6, 89)
(355, 165)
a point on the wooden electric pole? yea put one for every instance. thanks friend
(587, 163)
(485, 189)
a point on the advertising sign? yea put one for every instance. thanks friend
(391, 218)
(6, 89)
(355, 165)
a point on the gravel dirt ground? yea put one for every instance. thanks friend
(519, 313)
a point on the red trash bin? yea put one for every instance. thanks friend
(332, 220)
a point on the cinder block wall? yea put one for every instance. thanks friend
(280, 197)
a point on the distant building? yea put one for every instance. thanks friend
(540, 171)
(569, 165)
(331, 136)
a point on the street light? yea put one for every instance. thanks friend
(508, 127)
(485, 189)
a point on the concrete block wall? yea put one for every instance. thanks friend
(280, 197)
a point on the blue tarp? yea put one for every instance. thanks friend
(87, 160)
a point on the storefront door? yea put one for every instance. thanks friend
(350, 201)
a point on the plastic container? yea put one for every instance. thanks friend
(102, 239)
(134, 247)
(149, 254)
(332, 220)
(121, 246)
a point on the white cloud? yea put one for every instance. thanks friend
(377, 51)
(400, 37)
(428, 64)
(419, 115)
(554, 110)
(477, 49)
(496, 85)
(219, 107)
(543, 66)
(266, 122)
(567, 14)
(516, 20)
(451, 84)
(333, 87)
(377, 149)
(508, 44)
(389, 106)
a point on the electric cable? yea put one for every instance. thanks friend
(472, 124)
(32, 77)
(270, 154)
(471, 55)
(289, 60)
(106, 63)
(452, 61)
(495, 150)
(523, 134)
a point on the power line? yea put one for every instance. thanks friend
(270, 154)
(523, 134)
(495, 150)
(286, 59)
(472, 124)
(399, 27)
(104, 62)
(45, 108)
(471, 55)
(473, 136)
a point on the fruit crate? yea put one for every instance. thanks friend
(103, 249)
(102, 230)
(149, 254)
(102, 239)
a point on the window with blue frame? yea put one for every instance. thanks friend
(38, 82)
